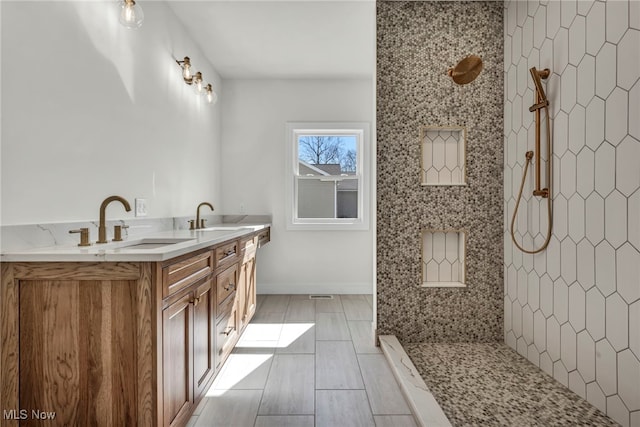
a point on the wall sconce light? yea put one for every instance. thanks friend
(196, 80)
(131, 15)
(212, 97)
(186, 70)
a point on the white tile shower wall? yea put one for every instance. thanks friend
(574, 309)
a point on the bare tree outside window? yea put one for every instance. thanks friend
(326, 150)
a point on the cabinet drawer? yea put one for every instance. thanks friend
(226, 334)
(181, 274)
(226, 283)
(264, 237)
(227, 253)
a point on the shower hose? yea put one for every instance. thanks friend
(529, 156)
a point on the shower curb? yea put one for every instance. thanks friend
(423, 405)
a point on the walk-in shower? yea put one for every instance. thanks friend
(540, 102)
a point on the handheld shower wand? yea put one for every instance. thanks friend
(541, 102)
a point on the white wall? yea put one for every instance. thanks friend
(254, 114)
(91, 109)
(574, 309)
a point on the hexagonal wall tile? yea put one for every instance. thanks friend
(568, 260)
(553, 18)
(577, 385)
(629, 380)
(553, 338)
(595, 30)
(560, 300)
(539, 30)
(522, 77)
(605, 78)
(615, 215)
(605, 169)
(567, 13)
(605, 268)
(606, 369)
(634, 15)
(533, 290)
(560, 373)
(584, 6)
(576, 129)
(576, 218)
(634, 110)
(527, 325)
(627, 170)
(522, 286)
(616, 117)
(596, 397)
(594, 123)
(595, 314)
(628, 57)
(577, 305)
(568, 94)
(634, 328)
(617, 20)
(617, 322)
(560, 133)
(617, 411)
(577, 40)
(539, 330)
(594, 218)
(568, 346)
(553, 258)
(586, 264)
(568, 174)
(516, 45)
(527, 37)
(628, 272)
(586, 80)
(560, 217)
(586, 356)
(561, 51)
(546, 295)
(516, 318)
(585, 169)
(633, 207)
(508, 325)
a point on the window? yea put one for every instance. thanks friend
(328, 176)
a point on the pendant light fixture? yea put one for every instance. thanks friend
(197, 81)
(131, 15)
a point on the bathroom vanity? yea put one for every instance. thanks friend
(131, 334)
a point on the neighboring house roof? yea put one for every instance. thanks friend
(305, 168)
(330, 168)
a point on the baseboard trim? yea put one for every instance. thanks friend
(315, 288)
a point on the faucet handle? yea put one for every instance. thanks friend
(117, 232)
(192, 224)
(84, 236)
(202, 221)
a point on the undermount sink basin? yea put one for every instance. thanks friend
(153, 243)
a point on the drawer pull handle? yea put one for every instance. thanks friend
(229, 287)
(227, 331)
(230, 252)
(195, 301)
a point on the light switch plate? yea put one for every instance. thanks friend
(141, 207)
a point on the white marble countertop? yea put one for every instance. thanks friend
(158, 246)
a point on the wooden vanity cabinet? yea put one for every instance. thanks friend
(122, 343)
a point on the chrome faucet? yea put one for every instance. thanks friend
(200, 222)
(102, 229)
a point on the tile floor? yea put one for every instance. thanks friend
(489, 384)
(303, 362)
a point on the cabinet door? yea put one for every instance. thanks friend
(177, 322)
(226, 330)
(204, 316)
(249, 269)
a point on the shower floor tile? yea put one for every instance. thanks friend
(489, 384)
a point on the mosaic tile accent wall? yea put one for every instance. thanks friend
(574, 309)
(416, 43)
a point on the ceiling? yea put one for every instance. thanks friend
(284, 39)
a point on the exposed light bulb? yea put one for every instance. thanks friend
(131, 15)
(198, 82)
(212, 97)
(186, 71)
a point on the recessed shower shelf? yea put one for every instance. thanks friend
(443, 155)
(443, 258)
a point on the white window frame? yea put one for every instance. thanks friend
(363, 171)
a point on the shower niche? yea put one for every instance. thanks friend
(443, 258)
(443, 155)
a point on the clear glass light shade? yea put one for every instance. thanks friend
(186, 73)
(197, 83)
(212, 97)
(131, 15)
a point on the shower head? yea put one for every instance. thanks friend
(537, 81)
(466, 70)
